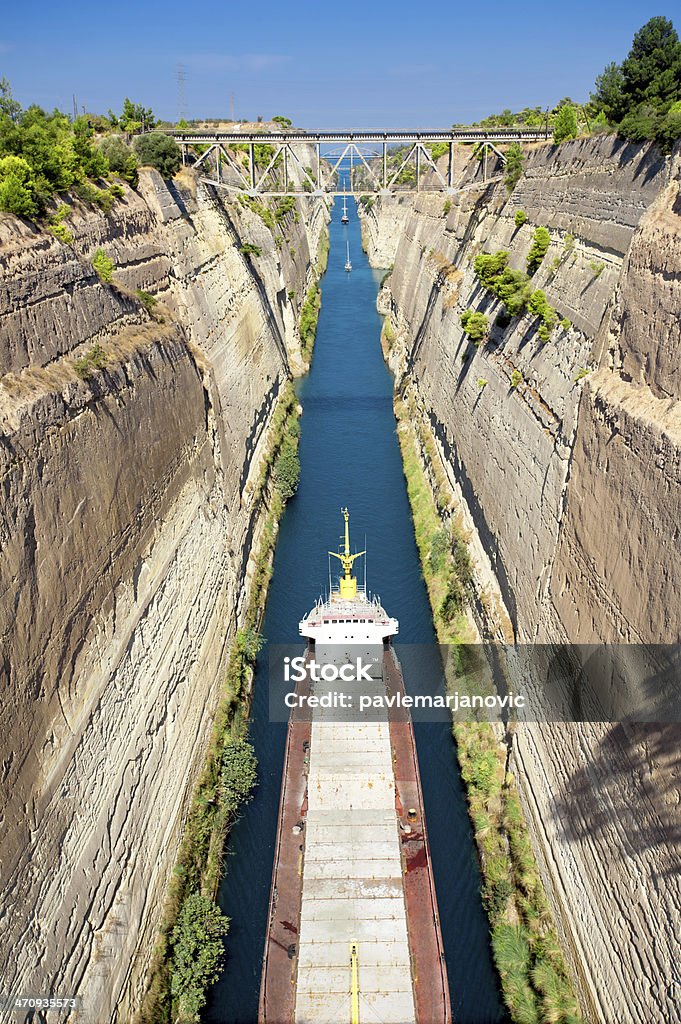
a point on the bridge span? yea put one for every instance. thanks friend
(293, 162)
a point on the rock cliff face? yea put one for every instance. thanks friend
(570, 484)
(127, 519)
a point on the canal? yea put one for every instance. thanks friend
(349, 455)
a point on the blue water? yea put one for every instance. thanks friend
(349, 455)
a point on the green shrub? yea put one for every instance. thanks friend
(488, 267)
(539, 305)
(440, 548)
(670, 128)
(61, 232)
(239, 773)
(103, 266)
(565, 124)
(569, 242)
(514, 289)
(148, 301)
(520, 218)
(159, 151)
(481, 382)
(581, 374)
(17, 187)
(496, 897)
(475, 324)
(514, 166)
(287, 469)
(597, 268)
(309, 315)
(511, 286)
(120, 158)
(565, 324)
(249, 249)
(96, 359)
(454, 599)
(197, 948)
(116, 190)
(284, 207)
(540, 244)
(446, 207)
(516, 378)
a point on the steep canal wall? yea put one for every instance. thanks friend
(565, 456)
(135, 413)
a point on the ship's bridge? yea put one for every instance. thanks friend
(358, 620)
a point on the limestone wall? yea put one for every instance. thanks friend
(571, 485)
(126, 525)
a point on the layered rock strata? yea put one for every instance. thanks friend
(566, 456)
(128, 516)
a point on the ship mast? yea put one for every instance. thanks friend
(348, 582)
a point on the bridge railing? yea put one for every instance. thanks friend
(319, 176)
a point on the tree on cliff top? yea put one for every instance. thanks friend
(652, 71)
(159, 151)
(640, 96)
(565, 124)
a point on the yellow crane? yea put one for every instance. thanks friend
(348, 582)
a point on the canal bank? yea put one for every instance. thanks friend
(349, 454)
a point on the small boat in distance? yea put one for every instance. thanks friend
(345, 219)
(348, 264)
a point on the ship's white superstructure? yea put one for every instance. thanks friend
(349, 615)
(355, 620)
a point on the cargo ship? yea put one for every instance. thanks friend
(353, 931)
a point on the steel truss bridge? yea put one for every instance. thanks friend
(289, 152)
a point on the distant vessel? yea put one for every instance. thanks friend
(345, 219)
(353, 930)
(348, 264)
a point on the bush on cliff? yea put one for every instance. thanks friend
(511, 286)
(287, 468)
(514, 166)
(197, 947)
(17, 187)
(238, 775)
(475, 324)
(120, 158)
(159, 151)
(540, 244)
(309, 315)
(103, 266)
(59, 154)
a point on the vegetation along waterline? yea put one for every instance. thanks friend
(190, 948)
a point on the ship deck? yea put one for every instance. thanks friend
(346, 870)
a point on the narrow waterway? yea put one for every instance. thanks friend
(349, 455)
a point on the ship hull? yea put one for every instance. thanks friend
(422, 978)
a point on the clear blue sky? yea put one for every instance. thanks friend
(350, 64)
